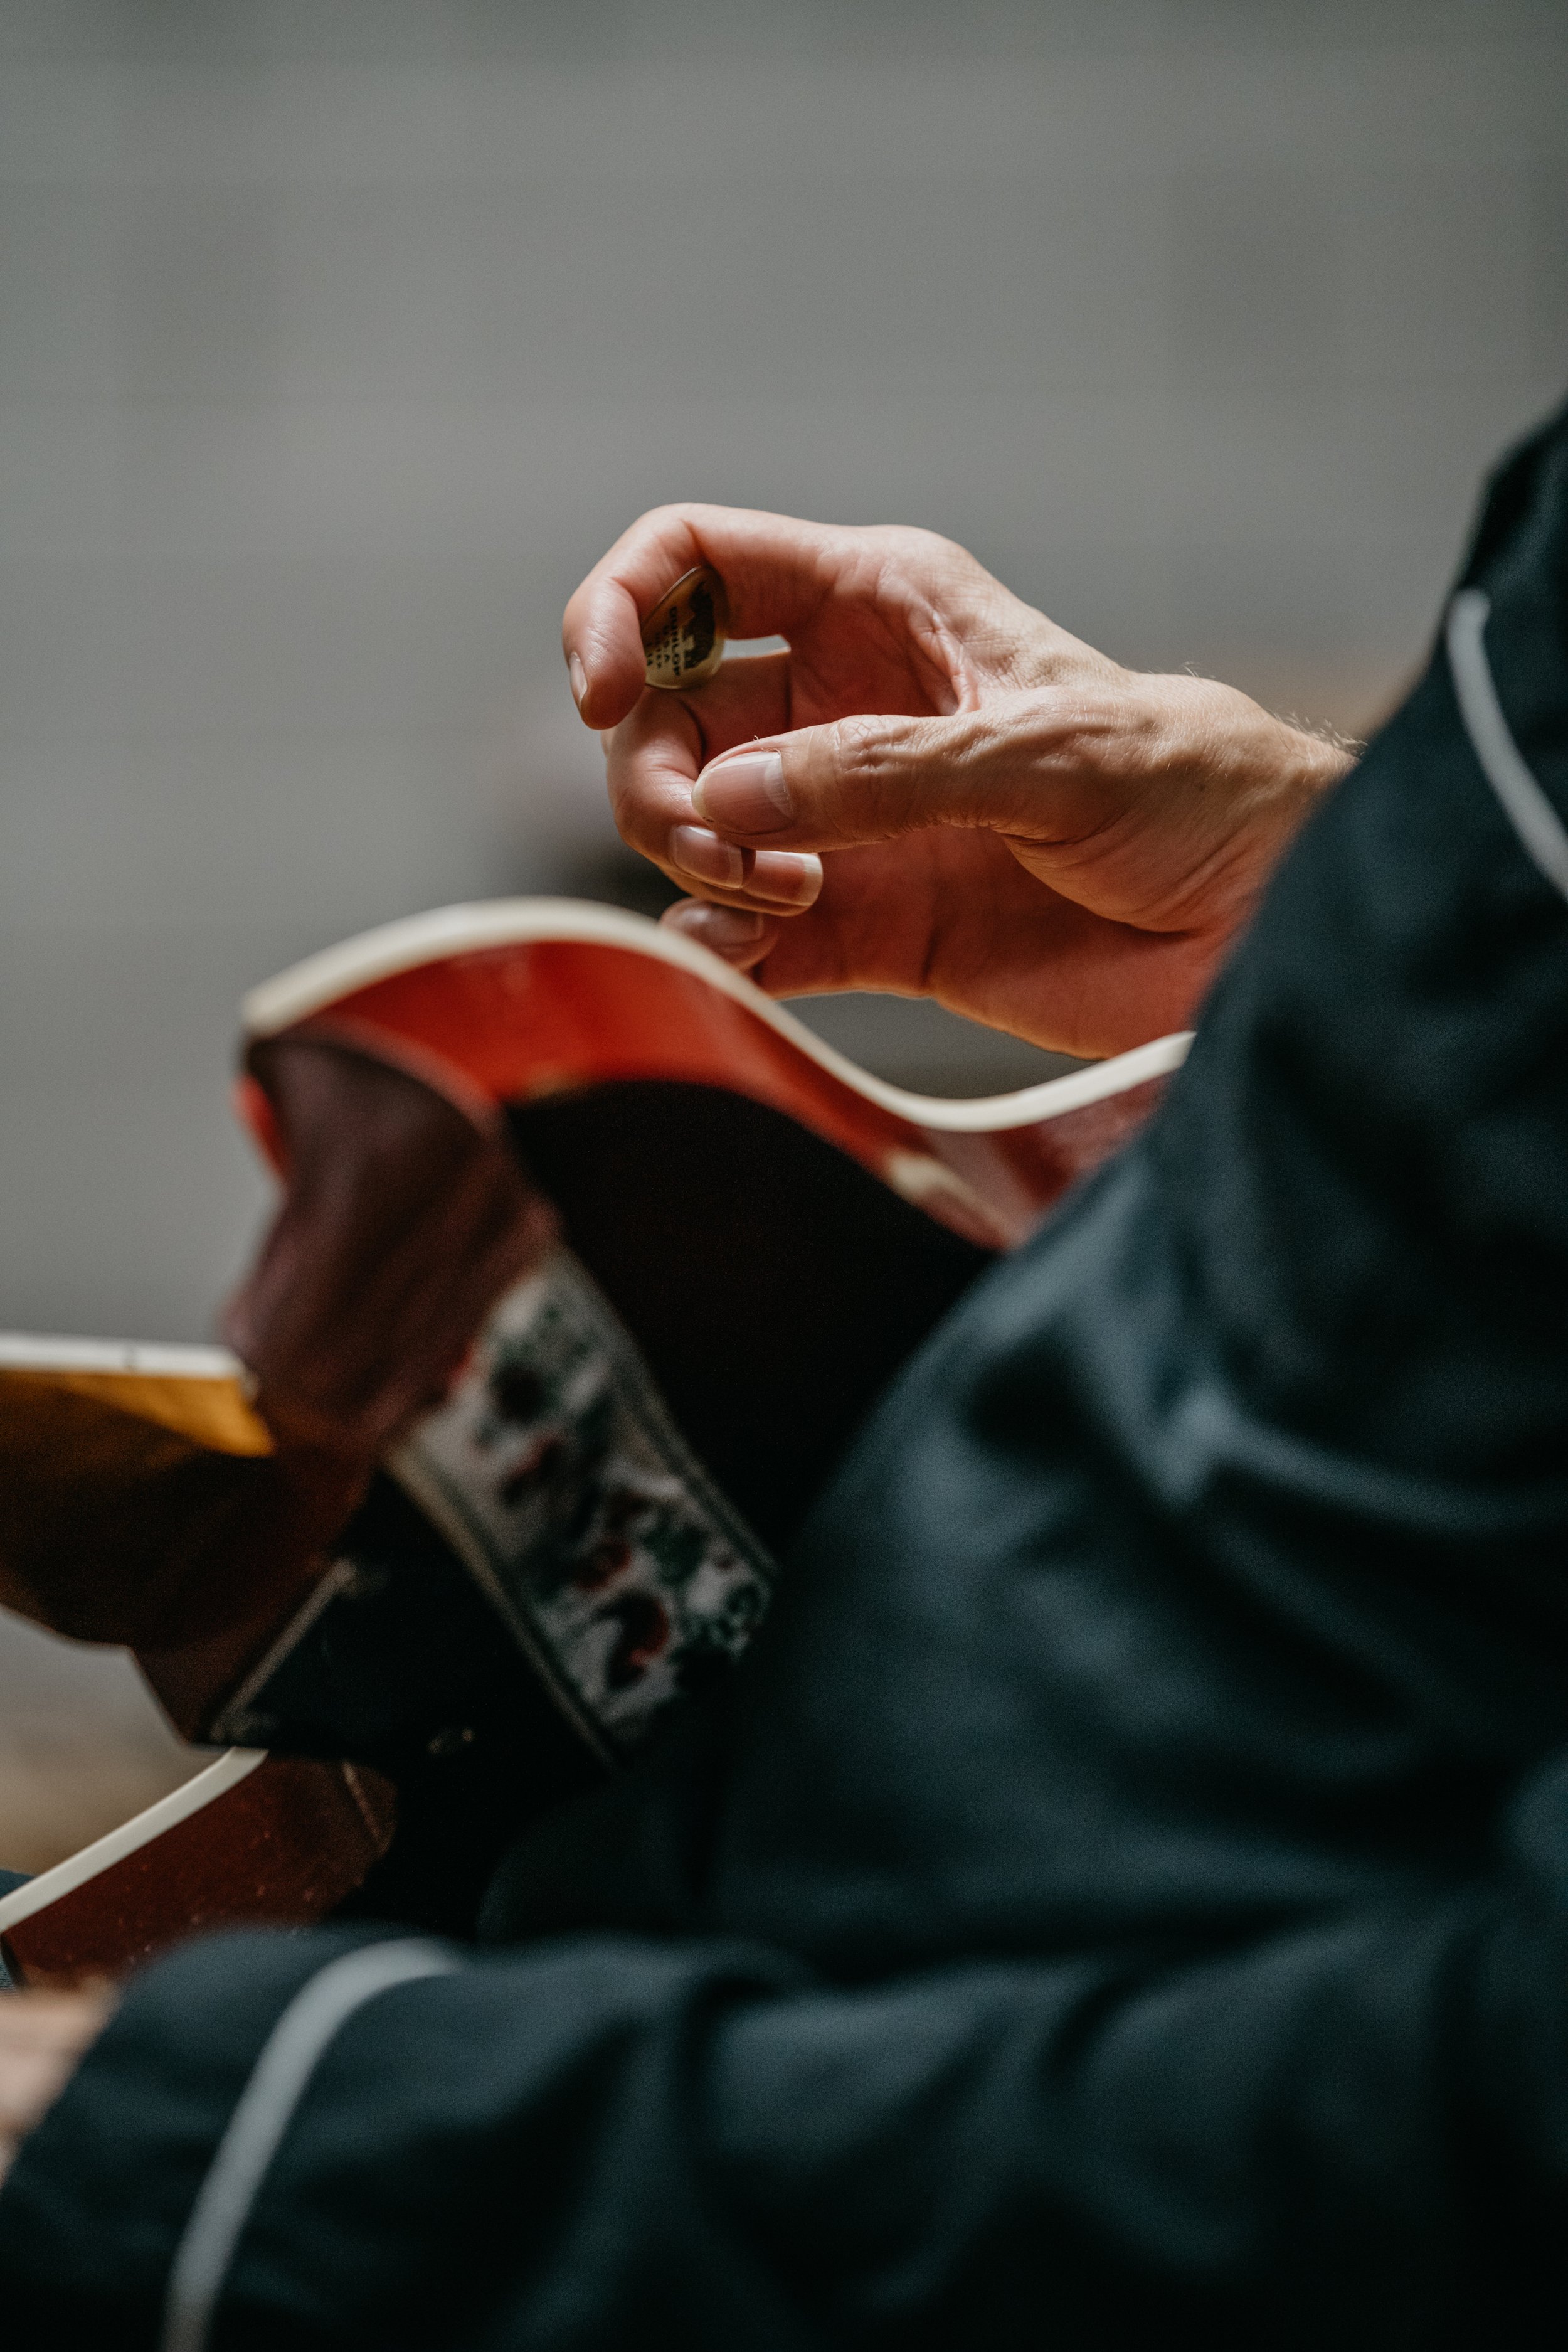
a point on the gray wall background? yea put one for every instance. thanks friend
(336, 341)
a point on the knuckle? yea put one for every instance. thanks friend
(860, 749)
(931, 555)
(654, 518)
(678, 519)
(870, 763)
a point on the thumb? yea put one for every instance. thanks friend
(864, 778)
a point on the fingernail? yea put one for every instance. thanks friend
(703, 855)
(578, 678)
(794, 878)
(746, 793)
(727, 930)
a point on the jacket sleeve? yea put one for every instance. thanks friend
(1355, 2133)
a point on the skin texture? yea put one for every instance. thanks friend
(985, 809)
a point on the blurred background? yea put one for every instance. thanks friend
(337, 341)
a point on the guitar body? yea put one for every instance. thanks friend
(589, 1265)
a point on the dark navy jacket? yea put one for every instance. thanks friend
(1123, 1897)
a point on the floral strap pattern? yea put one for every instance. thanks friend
(556, 1473)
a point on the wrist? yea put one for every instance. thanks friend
(1308, 766)
(1322, 757)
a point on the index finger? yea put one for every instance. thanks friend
(776, 569)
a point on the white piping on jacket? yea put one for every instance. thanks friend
(1525, 805)
(264, 2112)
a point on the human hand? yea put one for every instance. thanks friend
(42, 2038)
(935, 791)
